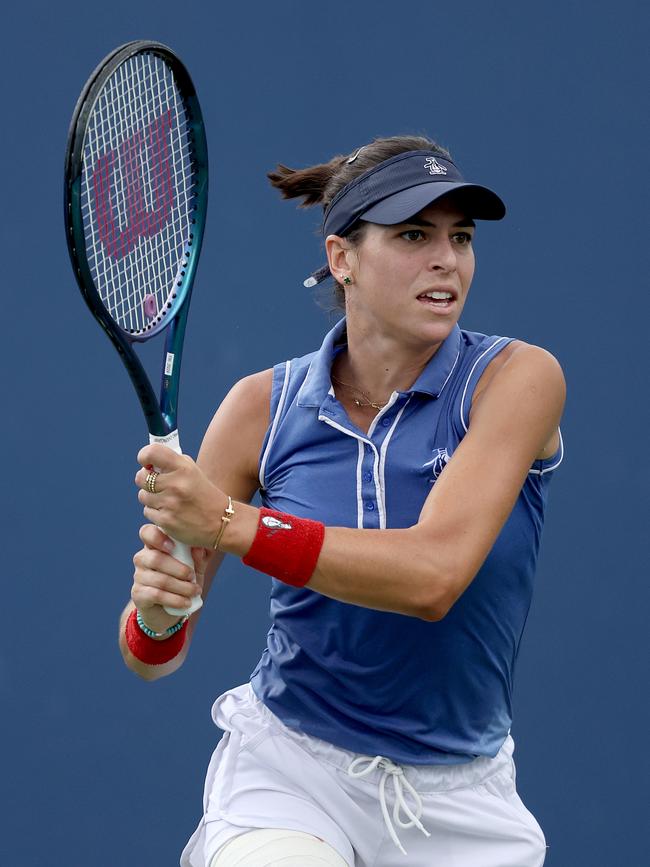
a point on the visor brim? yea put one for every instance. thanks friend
(478, 202)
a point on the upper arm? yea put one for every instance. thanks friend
(230, 450)
(229, 453)
(516, 414)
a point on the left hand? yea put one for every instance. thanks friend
(186, 505)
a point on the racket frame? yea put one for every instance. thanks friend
(160, 412)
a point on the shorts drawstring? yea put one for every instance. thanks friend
(396, 773)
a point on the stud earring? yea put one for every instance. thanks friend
(347, 280)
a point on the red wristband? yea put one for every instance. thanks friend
(146, 649)
(286, 547)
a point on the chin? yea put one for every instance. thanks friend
(438, 331)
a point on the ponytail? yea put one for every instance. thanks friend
(310, 184)
(317, 185)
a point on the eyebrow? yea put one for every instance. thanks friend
(418, 221)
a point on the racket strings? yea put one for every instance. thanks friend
(138, 192)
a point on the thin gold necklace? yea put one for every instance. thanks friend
(368, 401)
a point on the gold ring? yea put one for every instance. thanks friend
(151, 482)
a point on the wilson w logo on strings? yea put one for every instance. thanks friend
(133, 188)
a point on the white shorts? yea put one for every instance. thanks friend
(371, 811)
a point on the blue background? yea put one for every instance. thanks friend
(542, 101)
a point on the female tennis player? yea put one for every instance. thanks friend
(403, 470)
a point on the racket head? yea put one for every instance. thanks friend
(135, 196)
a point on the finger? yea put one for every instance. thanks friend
(152, 500)
(159, 456)
(155, 516)
(141, 480)
(162, 581)
(153, 537)
(165, 564)
(200, 557)
(146, 596)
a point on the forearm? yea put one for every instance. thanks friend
(381, 569)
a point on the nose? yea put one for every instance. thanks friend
(443, 255)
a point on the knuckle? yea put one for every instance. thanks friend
(153, 560)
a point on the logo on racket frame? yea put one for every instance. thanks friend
(139, 220)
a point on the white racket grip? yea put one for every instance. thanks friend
(181, 551)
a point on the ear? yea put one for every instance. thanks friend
(339, 256)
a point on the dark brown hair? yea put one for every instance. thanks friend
(318, 185)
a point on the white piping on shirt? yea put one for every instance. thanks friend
(556, 464)
(462, 417)
(382, 460)
(359, 489)
(379, 482)
(361, 440)
(462, 400)
(450, 373)
(276, 419)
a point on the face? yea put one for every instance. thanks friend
(410, 281)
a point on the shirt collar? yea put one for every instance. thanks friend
(431, 381)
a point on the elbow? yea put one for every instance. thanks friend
(148, 674)
(440, 595)
(433, 612)
(433, 606)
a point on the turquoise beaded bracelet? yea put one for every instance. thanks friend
(171, 630)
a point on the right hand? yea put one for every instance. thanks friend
(159, 579)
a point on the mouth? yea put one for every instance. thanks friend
(439, 299)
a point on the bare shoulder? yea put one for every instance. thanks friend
(252, 389)
(232, 443)
(248, 401)
(520, 360)
(530, 379)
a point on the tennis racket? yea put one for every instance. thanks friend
(136, 188)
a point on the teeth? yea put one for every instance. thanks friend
(440, 296)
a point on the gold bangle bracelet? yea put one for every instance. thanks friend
(229, 513)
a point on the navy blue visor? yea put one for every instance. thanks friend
(398, 188)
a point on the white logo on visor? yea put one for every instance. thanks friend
(434, 167)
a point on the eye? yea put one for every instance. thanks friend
(412, 234)
(464, 239)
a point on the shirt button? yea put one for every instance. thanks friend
(370, 506)
(385, 422)
(367, 477)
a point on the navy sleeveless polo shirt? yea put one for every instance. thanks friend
(375, 682)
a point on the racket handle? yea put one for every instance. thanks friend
(181, 551)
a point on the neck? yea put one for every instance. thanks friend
(379, 363)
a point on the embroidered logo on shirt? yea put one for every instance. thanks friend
(437, 463)
(434, 166)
